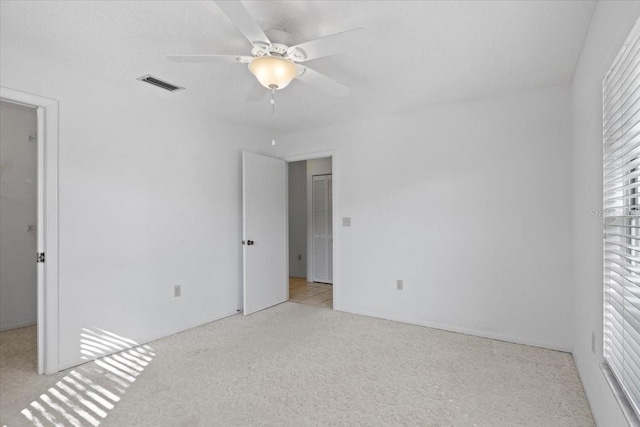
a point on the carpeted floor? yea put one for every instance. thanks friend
(297, 365)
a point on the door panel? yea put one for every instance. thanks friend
(264, 197)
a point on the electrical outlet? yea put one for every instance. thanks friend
(593, 342)
(299, 257)
(399, 285)
(176, 291)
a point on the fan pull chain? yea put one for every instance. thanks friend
(273, 100)
(273, 115)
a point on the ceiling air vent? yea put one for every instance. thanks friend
(160, 83)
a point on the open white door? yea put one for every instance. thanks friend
(264, 205)
(40, 242)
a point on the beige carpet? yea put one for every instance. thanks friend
(296, 365)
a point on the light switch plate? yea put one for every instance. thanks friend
(346, 221)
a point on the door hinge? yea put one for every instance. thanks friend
(40, 257)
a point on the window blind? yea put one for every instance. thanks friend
(621, 169)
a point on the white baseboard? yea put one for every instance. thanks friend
(468, 331)
(66, 364)
(17, 326)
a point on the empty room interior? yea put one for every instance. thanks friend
(319, 213)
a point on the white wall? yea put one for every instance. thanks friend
(469, 204)
(610, 26)
(321, 166)
(150, 197)
(18, 209)
(298, 219)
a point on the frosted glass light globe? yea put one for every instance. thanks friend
(273, 72)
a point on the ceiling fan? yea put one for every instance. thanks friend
(275, 65)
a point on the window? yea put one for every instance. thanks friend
(621, 154)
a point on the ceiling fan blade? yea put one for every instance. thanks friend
(322, 82)
(326, 46)
(256, 92)
(210, 58)
(248, 26)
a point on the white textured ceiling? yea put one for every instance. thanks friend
(417, 53)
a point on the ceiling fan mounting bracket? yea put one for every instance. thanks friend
(276, 49)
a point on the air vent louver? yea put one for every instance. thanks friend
(160, 83)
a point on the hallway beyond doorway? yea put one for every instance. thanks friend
(301, 291)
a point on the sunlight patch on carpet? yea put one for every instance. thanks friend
(85, 396)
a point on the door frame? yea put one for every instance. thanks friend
(335, 190)
(47, 317)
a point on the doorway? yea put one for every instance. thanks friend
(265, 234)
(310, 202)
(33, 235)
(18, 217)
(18, 236)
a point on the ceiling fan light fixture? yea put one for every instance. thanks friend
(273, 72)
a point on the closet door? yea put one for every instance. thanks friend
(322, 229)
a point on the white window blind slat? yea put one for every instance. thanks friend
(617, 282)
(631, 368)
(619, 138)
(621, 200)
(630, 261)
(630, 336)
(614, 343)
(619, 74)
(627, 53)
(614, 223)
(634, 337)
(628, 149)
(616, 185)
(616, 289)
(616, 337)
(615, 353)
(621, 187)
(612, 174)
(630, 102)
(613, 234)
